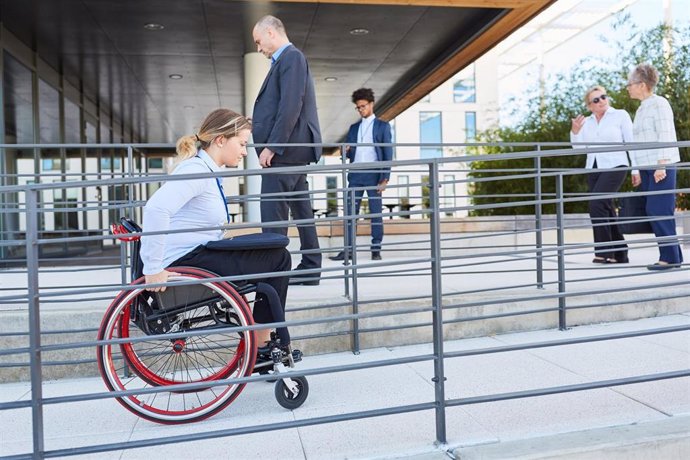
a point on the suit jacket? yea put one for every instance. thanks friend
(285, 110)
(381, 134)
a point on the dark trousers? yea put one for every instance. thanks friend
(292, 196)
(375, 207)
(251, 262)
(603, 214)
(663, 205)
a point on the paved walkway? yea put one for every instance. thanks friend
(408, 435)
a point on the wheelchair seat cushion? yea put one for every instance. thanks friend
(251, 241)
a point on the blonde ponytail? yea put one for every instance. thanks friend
(186, 147)
(220, 122)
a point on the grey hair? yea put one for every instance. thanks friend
(271, 22)
(645, 73)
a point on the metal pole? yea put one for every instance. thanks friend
(34, 322)
(437, 303)
(352, 232)
(560, 241)
(343, 175)
(538, 220)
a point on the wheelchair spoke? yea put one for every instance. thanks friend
(158, 362)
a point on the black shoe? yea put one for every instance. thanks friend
(662, 266)
(375, 255)
(340, 256)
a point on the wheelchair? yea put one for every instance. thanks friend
(142, 358)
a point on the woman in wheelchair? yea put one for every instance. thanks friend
(220, 142)
(201, 347)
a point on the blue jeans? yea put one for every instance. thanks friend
(375, 207)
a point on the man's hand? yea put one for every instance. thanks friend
(636, 180)
(577, 123)
(382, 186)
(161, 277)
(266, 157)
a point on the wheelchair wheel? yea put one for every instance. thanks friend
(289, 400)
(154, 362)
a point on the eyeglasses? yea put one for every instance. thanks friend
(362, 107)
(596, 100)
(632, 83)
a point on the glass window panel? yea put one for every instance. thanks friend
(49, 113)
(72, 123)
(470, 126)
(464, 89)
(430, 132)
(18, 97)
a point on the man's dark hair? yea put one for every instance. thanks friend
(363, 94)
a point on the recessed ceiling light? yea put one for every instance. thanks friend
(175, 76)
(153, 26)
(331, 79)
(359, 31)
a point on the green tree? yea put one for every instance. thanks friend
(547, 118)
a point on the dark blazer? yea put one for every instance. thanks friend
(381, 134)
(285, 110)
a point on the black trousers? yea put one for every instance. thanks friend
(275, 209)
(603, 214)
(251, 262)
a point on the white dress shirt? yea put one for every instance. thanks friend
(365, 135)
(614, 126)
(654, 123)
(182, 204)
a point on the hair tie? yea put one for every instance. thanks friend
(197, 138)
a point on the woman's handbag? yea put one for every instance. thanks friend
(250, 241)
(632, 208)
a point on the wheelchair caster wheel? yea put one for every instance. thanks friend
(288, 398)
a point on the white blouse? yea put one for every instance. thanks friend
(614, 126)
(179, 205)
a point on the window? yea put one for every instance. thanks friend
(19, 121)
(430, 132)
(49, 115)
(470, 126)
(108, 164)
(155, 163)
(464, 89)
(51, 164)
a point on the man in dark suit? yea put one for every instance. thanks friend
(285, 112)
(368, 130)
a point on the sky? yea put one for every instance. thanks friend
(645, 14)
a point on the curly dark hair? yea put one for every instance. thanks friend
(365, 94)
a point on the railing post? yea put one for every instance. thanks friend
(538, 220)
(437, 303)
(560, 241)
(352, 246)
(34, 322)
(343, 175)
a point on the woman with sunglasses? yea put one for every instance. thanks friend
(654, 123)
(605, 124)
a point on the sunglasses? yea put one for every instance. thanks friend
(596, 100)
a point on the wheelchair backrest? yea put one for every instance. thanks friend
(126, 231)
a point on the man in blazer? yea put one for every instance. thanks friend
(285, 112)
(368, 130)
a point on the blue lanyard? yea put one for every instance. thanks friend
(220, 190)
